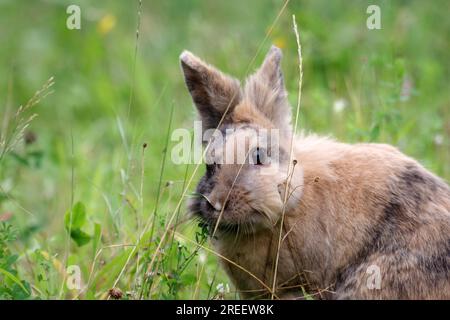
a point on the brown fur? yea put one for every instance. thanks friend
(350, 207)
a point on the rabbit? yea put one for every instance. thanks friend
(347, 221)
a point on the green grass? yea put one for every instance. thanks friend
(89, 134)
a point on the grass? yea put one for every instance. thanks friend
(118, 86)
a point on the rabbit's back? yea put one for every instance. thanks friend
(381, 220)
(406, 254)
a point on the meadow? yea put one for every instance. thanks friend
(91, 205)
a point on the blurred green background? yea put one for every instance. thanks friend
(114, 91)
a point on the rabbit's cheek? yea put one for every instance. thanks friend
(294, 192)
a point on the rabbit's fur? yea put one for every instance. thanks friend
(351, 209)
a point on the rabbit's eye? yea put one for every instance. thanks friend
(259, 156)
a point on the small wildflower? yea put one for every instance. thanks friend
(202, 257)
(106, 24)
(339, 105)
(5, 216)
(115, 293)
(438, 139)
(280, 42)
(223, 288)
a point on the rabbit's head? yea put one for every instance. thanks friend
(247, 156)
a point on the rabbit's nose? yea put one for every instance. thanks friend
(217, 205)
(217, 201)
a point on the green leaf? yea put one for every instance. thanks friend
(80, 237)
(13, 278)
(189, 279)
(75, 218)
(18, 293)
(11, 259)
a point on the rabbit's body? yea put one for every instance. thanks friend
(360, 221)
(362, 206)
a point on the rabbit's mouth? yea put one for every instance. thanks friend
(224, 222)
(231, 228)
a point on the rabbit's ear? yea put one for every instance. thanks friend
(213, 92)
(266, 90)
